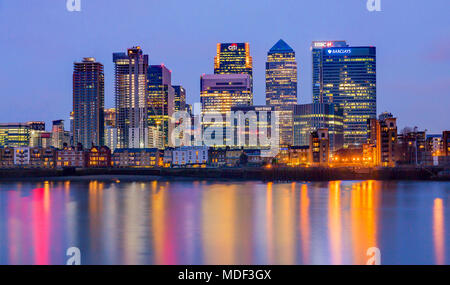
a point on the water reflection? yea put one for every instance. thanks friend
(224, 223)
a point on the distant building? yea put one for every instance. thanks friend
(347, 76)
(298, 155)
(412, 147)
(137, 157)
(382, 138)
(161, 99)
(88, 102)
(71, 156)
(180, 98)
(250, 124)
(221, 92)
(6, 157)
(446, 143)
(60, 137)
(281, 75)
(99, 157)
(190, 156)
(14, 135)
(217, 157)
(317, 51)
(311, 117)
(131, 98)
(319, 148)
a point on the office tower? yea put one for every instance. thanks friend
(36, 125)
(180, 98)
(60, 137)
(281, 87)
(131, 100)
(319, 147)
(161, 98)
(220, 92)
(311, 117)
(250, 123)
(382, 138)
(36, 131)
(110, 117)
(88, 103)
(317, 49)
(14, 135)
(281, 75)
(348, 78)
(234, 58)
(110, 128)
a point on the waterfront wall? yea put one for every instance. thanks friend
(274, 174)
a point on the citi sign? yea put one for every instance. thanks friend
(340, 51)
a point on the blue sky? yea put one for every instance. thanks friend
(40, 40)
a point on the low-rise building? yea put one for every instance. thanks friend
(136, 157)
(6, 157)
(167, 157)
(190, 156)
(217, 157)
(319, 148)
(21, 156)
(71, 157)
(233, 157)
(298, 155)
(99, 157)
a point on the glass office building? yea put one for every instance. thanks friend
(131, 100)
(281, 75)
(14, 135)
(311, 117)
(234, 58)
(180, 98)
(161, 98)
(88, 103)
(348, 78)
(317, 48)
(220, 92)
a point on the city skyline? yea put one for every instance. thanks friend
(410, 76)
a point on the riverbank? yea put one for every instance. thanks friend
(257, 174)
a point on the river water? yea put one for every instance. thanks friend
(203, 222)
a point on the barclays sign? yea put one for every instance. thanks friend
(341, 51)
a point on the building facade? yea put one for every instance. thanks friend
(137, 157)
(88, 102)
(190, 156)
(221, 92)
(161, 99)
(348, 78)
(14, 134)
(131, 98)
(281, 75)
(311, 117)
(180, 98)
(382, 138)
(319, 148)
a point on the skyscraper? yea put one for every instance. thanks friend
(281, 75)
(234, 58)
(88, 103)
(317, 49)
(131, 100)
(220, 92)
(348, 78)
(161, 98)
(180, 98)
(281, 87)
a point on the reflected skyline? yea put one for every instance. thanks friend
(199, 222)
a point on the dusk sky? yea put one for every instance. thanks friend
(40, 40)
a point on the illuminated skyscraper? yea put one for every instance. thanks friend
(161, 98)
(180, 98)
(221, 92)
(88, 103)
(281, 75)
(234, 58)
(281, 87)
(131, 100)
(317, 48)
(348, 78)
